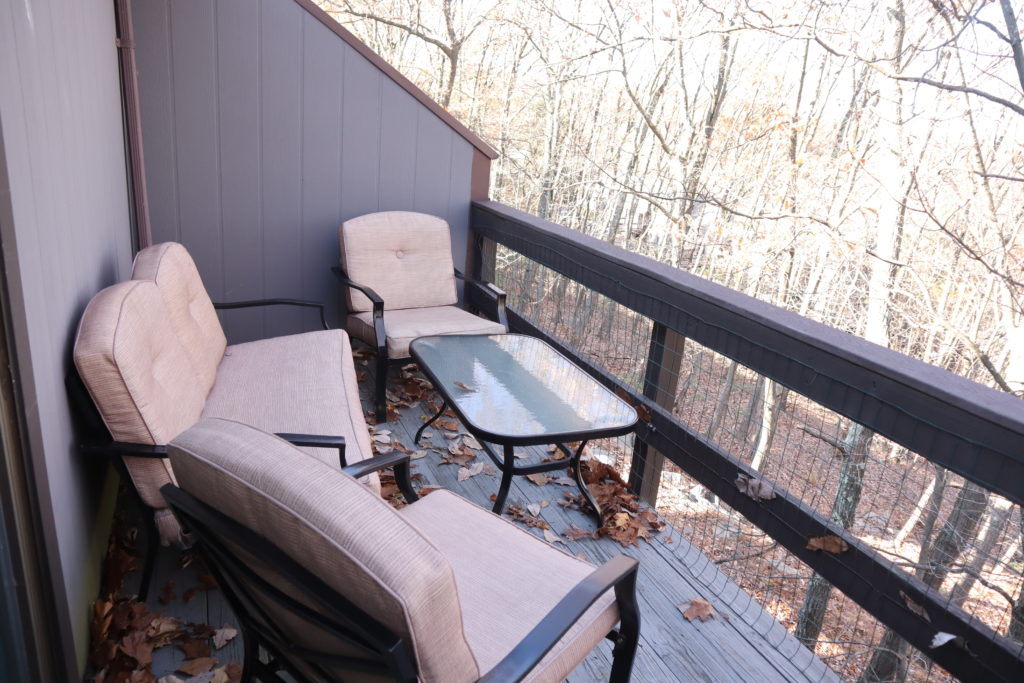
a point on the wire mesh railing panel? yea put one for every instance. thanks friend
(953, 535)
(577, 315)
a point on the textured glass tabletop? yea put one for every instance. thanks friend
(513, 388)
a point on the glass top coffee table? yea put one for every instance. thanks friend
(514, 390)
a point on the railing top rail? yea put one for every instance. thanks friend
(963, 425)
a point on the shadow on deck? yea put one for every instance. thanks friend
(743, 643)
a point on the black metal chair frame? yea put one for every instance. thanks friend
(383, 652)
(381, 336)
(96, 440)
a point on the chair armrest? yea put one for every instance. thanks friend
(275, 302)
(619, 573)
(316, 441)
(378, 305)
(376, 464)
(123, 448)
(397, 460)
(498, 292)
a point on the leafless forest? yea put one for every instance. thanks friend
(860, 163)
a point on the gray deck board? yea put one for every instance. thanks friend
(746, 645)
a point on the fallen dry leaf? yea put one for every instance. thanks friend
(195, 648)
(167, 594)
(450, 425)
(518, 514)
(551, 537)
(697, 608)
(162, 625)
(915, 608)
(533, 509)
(830, 544)
(417, 455)
(194, 667)
(755, 488)
(206, 581)
(234, 671)
(574, 533)
(467, 472)
(138, 647)
(470, 441)
(539, 478)
(190, 594)
(462, 385)
(223, 635)
(564, 481)
(582, 556)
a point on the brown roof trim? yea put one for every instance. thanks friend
(392, 73)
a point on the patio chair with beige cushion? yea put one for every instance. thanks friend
(400, 284)
(153, 358)
(334, 584)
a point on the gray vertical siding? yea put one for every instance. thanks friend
(64, 225)
(263, 131)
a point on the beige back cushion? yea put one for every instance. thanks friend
(405, 257)
(336, 528)
(138, 374)
(192, 314)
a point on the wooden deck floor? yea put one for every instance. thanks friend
(743, 643)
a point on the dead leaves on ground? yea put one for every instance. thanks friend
(527, 517)
(574, 533)
(697, 608)
(125, 634)
(622, 518)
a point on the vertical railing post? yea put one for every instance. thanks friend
(661, 380)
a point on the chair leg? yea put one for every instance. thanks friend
(381, 397)
(624, 651)
(403, 479)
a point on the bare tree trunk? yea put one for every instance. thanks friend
(722, 405)
(911, 522)
(853, 449)
(1016, 630)
(998, 515)
(959, 529)
(773, 398)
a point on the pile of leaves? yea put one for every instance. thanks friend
(622, 518)
(125, 632)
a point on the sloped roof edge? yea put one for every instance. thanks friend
(392, 73)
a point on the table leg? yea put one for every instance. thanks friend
(578, 476)
(506, 480)
(419, 432)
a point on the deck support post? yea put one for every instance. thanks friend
(661, 381)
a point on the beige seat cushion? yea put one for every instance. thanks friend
(404, 325)
(191, 311)
(403, 256)
(141, 380)
(302, 383)
(507, 581)
(340, 531)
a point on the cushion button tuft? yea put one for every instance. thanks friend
(399, 253)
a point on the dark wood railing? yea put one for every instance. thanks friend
(963, 426)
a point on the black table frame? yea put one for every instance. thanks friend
(507, 463)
